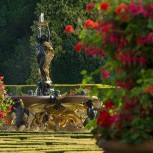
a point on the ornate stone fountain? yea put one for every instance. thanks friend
(48, 109)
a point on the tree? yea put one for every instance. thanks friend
(16, 18)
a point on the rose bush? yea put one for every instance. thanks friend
(5, 103)
(121, 31)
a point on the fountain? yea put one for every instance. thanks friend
(48, 109)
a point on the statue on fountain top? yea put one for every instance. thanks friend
(45, 54)
(44, 57)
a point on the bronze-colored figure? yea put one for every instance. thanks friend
(44, 58)
(45, 55)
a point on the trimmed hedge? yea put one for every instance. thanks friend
(23, 89)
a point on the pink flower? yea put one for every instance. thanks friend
(125, 84)
(128, 59)
(104, 6)
(123, 41)
(69, 29)
(134, 59)
(101, 53)
(119, 83)
(113, 38)
(123, 59)
(137, 9)
(142, 60)
(89, 7)
(94, 52)
(1, 78)
(149, 9)
(105, 73)
(87, 51)
(149, 38)
(141, 40)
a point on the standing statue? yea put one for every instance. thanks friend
(45, 55)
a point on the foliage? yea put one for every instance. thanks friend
(122, 32)
(16, 18)
(5, 103)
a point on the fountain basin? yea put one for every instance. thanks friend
(30, 100)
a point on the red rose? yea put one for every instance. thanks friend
(149, 89)
(78, 47)
(122, 8)
(69, 29)
(109, 104)
(89, 7)
(104, 6)
(105, 73)
(104, 119)
(1, 115)
(90, 24)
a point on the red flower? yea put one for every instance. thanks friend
(141, 40)
(134, 59)
(78, 47)
(127, 105)
(89, 7)
(107, 27)
(87, 51)
(6, 121)
(142, 60)
(122, 8)
(113, 38)
(101, 53)
(104, 119)
(1, 77)
(149, 89)
(9, 107)
(149, 9)
(109, 104)
(137, 9)
(69, 29)
(105, 73)
(1, 115)
(90, 24)
(104, 6)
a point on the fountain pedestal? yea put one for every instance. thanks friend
(42, 114)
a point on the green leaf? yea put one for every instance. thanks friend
(83, 72)
(150, 24)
